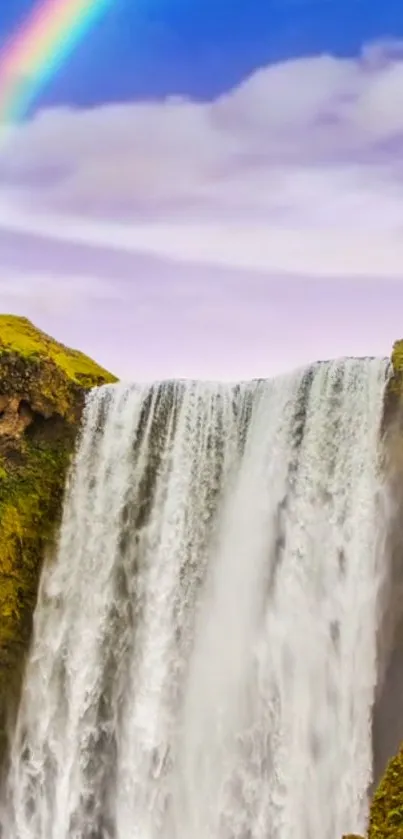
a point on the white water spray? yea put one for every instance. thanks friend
(204, 655)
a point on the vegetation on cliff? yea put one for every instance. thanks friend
(42, 392)
(397, 357)
(393, 414)
(51, 376)
(386, 816)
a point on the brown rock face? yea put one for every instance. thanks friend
(15, 416)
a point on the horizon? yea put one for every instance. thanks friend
(189, 379)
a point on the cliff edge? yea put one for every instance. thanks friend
(386, 811)
(42, 393)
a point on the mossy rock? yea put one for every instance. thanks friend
(51, 377)
(397, 356)
(42, 393)
(393, 403)
(386, 815)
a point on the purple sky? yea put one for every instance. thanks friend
(234, 238)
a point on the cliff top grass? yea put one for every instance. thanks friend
(45, 373)
(397, 356)
(19, 335)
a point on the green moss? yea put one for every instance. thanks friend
(42, 390)
(386, 816)
(395, 386)
(18, 334)
(47, 374)
(397, 356)
(30, 503)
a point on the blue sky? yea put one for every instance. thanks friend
(249, 225)
(153, 48)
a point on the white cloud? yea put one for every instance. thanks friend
(298, 169)
(333, 252)
(53, 293)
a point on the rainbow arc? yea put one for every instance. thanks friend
(39, 49)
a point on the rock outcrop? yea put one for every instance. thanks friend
(386, 816)
(42, 393)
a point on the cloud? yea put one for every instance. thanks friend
(309, 120)
(54, 294)
(136, 230)
(333, 251)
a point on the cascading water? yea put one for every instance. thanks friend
(204, 656)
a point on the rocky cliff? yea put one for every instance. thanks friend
(42, 392)
(386, 814)
(386, 817)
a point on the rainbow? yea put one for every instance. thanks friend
(38, 50)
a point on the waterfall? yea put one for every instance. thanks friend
(204, 658)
